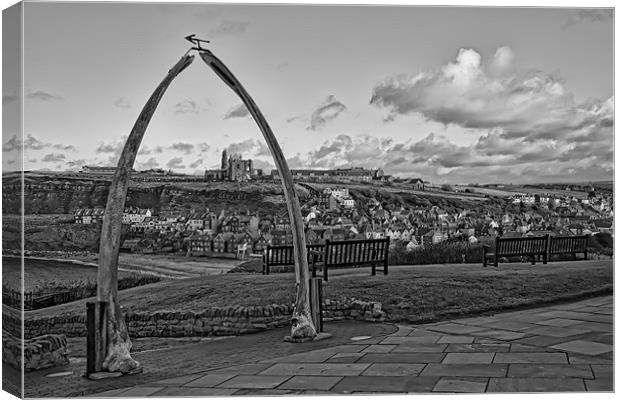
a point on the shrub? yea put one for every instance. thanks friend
(440, 253)
(66, 291)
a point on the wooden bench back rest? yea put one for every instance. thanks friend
(283, 255)
(354, 252)
(568, 244)
(518, 246)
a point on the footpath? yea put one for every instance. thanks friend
(557, 348)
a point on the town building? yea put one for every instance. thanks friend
(233, 168)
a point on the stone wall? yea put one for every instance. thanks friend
(40, 352)
(216, 321)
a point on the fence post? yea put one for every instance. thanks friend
(96, 335)
(387, 252)
(316, 303)
(326, 261)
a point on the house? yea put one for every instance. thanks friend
(282, 237)
(347, 202)
(417, 183)
(230, 224)
(219, 243)
(260, 244)
(230, 240)
(413, 245)
(199, 245)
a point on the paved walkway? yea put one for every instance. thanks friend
(567, 347)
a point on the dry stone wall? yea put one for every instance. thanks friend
(217, 321)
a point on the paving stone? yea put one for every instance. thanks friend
(403, 330)
(599, 385)
(255, 381)
(310, 382)
(419, 348)
(468, 358)
(374, 340)
(345, 358)
(478, 348)
(455, 339)
(518, 347)
(315, 356)
(509, 325)
(457, 328)
(542, 341)
(265, 392)
(328, 369)
(380, 348)
(209, 380)
(178, 380)
(595, 326)
(549, 371)
(584, 347)
(463, 370)
(193, 391)
(581, 316)
(485, 340)
(410, 339)
(461, 385)
(110, 393)
(603, 372)
(245, 369)
(413, 358)
(141, 391)
(514, 385)
(532, 358)
(500, 334)
(560, 322)
(581, 359)
(385, 384)
(600, 337)
(393, 369)
(421, 333)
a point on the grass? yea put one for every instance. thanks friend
(38, 272)
(414, 294)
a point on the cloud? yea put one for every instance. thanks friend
(588, 15)
(329, 110)
(175, 163)
(69, 147)
(196, 163)
(53, 157)
(122, 102)
(238, 111)
(115, 147)
(249, 147)
(76, 163)
(144, 151)
(43, 96)
(158, 149)
(228, 27)
(9, 98)
(30, 143)
(464, 93)
(151, 163)
(188, 107)
(186, 148)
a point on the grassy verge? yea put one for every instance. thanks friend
(415, 294)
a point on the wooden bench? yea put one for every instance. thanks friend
(347, 253)
(275, 256)
(522, 246)
(569, 245)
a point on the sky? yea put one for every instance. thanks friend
(447, 94)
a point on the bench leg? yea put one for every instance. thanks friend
(373, 269)
(325, 272)
(585, 255)
(496, 263)
(534, 260)
(385, 268)
(545, 258)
